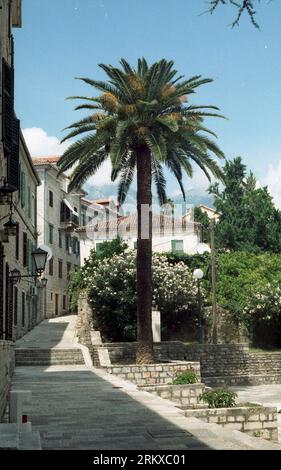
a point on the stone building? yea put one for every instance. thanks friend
(58, 213)
(19, 303)
(169, 234)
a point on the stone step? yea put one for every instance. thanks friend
(38, 356)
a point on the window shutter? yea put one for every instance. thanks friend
(23, 189)
(14, 156)
(29, 201)
(24, 257)
(7, 107)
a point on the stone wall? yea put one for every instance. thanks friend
(221, 364)
(257, 421)
(187, 395)
(153, 373)
(7, 364)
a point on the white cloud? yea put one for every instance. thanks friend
(102, 176)
(272, 180)
(40, 144)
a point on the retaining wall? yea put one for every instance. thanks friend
(256, 421)
(146, 374)
(7, 365)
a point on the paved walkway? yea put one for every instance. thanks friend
(56, 332)
(75, 407)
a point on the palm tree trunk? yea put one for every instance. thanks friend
(144, 258)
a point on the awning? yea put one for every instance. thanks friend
(67, 203)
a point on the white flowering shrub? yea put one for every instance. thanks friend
(112, 286)
(262, 313)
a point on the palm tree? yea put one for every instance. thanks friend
(141, 122)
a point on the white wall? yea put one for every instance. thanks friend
(56, 286)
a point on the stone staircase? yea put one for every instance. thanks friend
(48, 357)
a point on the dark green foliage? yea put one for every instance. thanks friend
(188, 377)
(113, 247)
(219, 398)
(203, 219)
(249, 220)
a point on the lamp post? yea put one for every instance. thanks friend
(40, 258)
(198, 274)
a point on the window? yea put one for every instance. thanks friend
(23, 307)
(22, 189)
(177, 246)
(67, 242)
(15, 306)
(51, 266)
(60, 268)
(17, 241)
(51, 234)
(51, 198)
(98, 248)
(29, 202)
(83, 219)
(33, 209)
(64, 302)
(60, 238)
(24, 249)
(51, 295)
(68, 267)
(75, 208)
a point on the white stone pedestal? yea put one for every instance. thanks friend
(156, 326)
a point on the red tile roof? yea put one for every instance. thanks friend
(129, 223)
(51, 160)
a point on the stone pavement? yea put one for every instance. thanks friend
(262, 394)
(56, 332)
(77, 407)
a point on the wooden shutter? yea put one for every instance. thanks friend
(24, 257)
(17, 241)
(22, 189)
(1, 291)
(14, 157)
(29, 202)
(7, 107)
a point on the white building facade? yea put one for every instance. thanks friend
(58, 213)
(19, 302)
(169, 234)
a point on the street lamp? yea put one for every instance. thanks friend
(6, 193)
(198, 274)
(40, 258)
(44, 282)
(10, 227)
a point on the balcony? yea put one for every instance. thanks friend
(69, 218)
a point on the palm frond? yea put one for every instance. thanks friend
(159, 180)
(86, 168)
(127, 176)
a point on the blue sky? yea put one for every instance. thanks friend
(61, 39)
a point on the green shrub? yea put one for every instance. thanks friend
(188, 377)
(219, 398)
